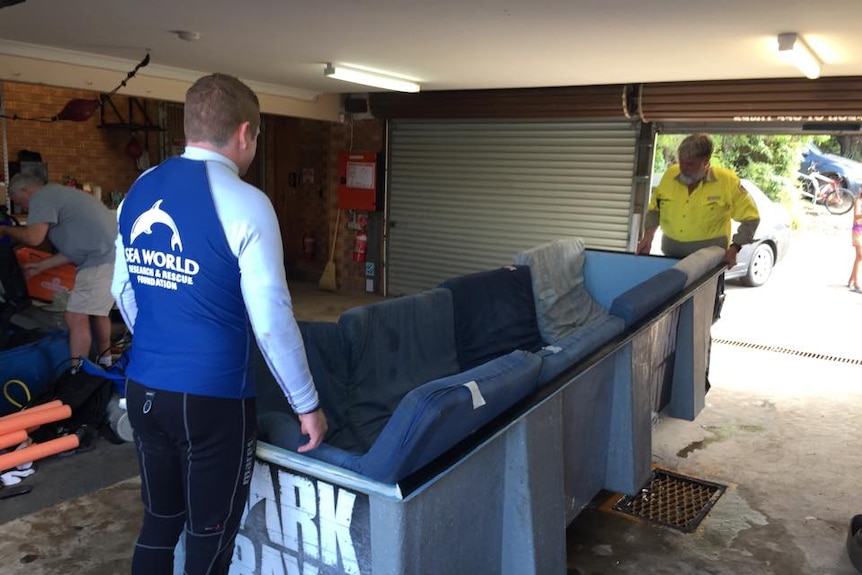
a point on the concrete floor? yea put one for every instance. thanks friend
(781, 430)
(787, 448)
(83, 512)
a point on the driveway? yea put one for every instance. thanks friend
(805, 306)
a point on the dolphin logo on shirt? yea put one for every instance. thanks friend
(155, 215)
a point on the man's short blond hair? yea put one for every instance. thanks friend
(695, 146)
(216, 106)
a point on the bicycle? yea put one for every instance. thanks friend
(821, 189)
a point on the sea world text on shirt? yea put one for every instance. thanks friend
(159, 269)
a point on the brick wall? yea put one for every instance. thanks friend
(313, 145)
(97, 156)
(80, 149)
(362, 136)
(314, 209)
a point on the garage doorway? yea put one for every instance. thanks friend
(793, 312)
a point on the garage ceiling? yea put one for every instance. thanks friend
(444, 44)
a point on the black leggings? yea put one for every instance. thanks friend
(196, 456)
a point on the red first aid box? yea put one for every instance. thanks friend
(44, 285)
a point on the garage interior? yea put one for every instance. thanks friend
(779, 429)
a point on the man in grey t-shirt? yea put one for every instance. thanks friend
(83, 230)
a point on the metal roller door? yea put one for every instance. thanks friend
(465, 196)
(766, 105)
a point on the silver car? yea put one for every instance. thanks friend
(755, 261)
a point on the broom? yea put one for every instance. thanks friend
(327, 280)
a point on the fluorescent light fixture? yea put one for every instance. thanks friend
(369, 79)
(792, 48)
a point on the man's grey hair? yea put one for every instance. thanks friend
(21, 181)
(695, 146)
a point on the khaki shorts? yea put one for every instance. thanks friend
(92, 292)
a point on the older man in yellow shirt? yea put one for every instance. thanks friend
(694, 204)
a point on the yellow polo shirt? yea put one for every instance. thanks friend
(705, 213)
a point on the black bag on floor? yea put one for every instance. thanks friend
(88, 396)
(13, 286)
(12, 336)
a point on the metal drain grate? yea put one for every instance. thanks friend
(788, 351)
(672, 500)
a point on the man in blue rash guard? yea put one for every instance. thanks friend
(199, 272)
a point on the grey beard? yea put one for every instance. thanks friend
(689, 180)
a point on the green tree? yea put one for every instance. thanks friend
(768, 161)
(843, 145)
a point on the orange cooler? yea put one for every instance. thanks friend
(44, 285)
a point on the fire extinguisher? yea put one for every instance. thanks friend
(309, 244)
(360, 244)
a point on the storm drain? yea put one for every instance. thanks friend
(788, 351)
(672, 500)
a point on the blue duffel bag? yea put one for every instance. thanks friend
(27, 370)
(116, 372)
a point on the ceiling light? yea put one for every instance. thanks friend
(792, 48)
(369, 79)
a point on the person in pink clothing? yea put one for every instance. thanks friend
(855, 281)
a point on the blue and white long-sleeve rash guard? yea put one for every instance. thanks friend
(198, 262)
